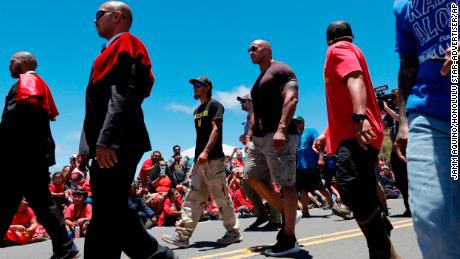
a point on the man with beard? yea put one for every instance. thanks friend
(208, 172)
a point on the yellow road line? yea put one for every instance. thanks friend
(316, 242)
(347, 231)
(248, 253)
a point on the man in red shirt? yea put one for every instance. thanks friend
(355, 132)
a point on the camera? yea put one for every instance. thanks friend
(384, 97)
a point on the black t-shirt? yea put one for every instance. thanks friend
(204, 115)
(267, 99)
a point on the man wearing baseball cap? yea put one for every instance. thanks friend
(208, 171)
(355, 134)
(274, 219)
(308, 177)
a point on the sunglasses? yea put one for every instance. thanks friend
(101, 13)
(198, 85)
(254, 48)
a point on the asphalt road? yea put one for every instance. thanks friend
(323, 236)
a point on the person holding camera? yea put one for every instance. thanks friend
(399, 167)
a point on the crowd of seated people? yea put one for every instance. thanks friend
(156, 195)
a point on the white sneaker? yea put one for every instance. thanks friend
(298, 216)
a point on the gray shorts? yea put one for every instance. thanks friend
(264, 163)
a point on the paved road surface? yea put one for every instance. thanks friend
(323, 236)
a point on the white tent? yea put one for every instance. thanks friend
(227, 151)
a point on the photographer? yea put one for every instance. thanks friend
(399, 167)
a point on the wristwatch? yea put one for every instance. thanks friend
(358, 117)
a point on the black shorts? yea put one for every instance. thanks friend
(308, 180)
(356, 178)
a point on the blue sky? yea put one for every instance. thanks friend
(187, 39)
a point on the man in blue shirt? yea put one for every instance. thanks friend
(422, 39)
(308, 175)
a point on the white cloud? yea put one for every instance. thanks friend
(180, 108)
(228, 99)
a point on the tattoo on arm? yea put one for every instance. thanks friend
(290, 96)
(292, 86)
(407, 76)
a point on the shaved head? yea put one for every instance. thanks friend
(263, 43)
(22, 62)
(112, 18)
(27, 57)
(122, 7)
(260, 52)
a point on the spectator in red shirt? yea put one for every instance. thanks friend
(79, 213)
(243, 207)
(148, 165)
(162, 179)
(238, 162)
(87, 187)
(57, 189)
(172, 209)
(24, 228)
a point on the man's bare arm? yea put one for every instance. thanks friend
(407, 77)
(290, 95)
(215, 133)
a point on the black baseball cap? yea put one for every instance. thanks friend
(202, 80)
(338, 29)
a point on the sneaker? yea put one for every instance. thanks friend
(341, 211)
(407, 213)
(230, 237)
(176, 240)
(270, 226)
(70, 253)
(284, 246)
(298, 216)
(257, 223)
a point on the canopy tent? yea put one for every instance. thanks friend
(227, 151)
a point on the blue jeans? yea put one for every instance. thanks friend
(433, 194)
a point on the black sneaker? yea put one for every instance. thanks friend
(284, 246)
(407, 213)
(270, 226)
(257, 223)
(68, 254)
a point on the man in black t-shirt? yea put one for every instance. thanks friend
(208, 171)
(273, 142)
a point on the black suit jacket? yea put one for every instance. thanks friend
(25, 133)
(114, 116)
